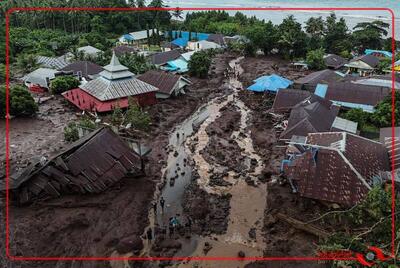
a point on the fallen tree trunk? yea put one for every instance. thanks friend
(309, 228)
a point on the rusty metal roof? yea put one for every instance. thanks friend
(338, 167)
(90, 165)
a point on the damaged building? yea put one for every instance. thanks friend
(89, 165)
(332, 167)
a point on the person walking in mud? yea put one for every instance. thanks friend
(155, 208)
(149, 235)
(189, 223)
(171, 228)
(162, 202)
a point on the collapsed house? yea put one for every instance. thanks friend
(363, 65)
(89, 165)
(332, 167)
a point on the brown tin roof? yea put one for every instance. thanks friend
(123, 49)
(324, 77)
(165, 82)
(286, 99)
(164, 57)
(87, 68)
(335, 61)
(368, 59)
(89, 165)
(334, 167)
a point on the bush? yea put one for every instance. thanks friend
(315, 59)
(20, 101)
(138, 118)
(199, 64)
(357, 115)
(63, 83)
(71, 130)
(382, 115)
(2, 73)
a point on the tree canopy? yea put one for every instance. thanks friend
(21, 102)
(63, 83)
(199, 64)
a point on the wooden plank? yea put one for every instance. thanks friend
(309, 228)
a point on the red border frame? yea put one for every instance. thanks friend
(294, 258)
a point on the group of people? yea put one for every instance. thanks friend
(174, 225)
(231, 72)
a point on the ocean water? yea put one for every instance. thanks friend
(352, 17)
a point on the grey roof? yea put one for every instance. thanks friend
(140, 35)
(86, 68)
(89, 50)
(324, 76)
(334, 61)
(115, 70)
(52, 62)
(40, 76)
(104, 89)
(368, 59)
(217, 38)
(115, 82)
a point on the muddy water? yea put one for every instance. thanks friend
(247, 202)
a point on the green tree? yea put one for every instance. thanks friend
(292, 40)
(63, 83)
(21, 102)
(262, 36)
(357, 115)
(2, 73)
(135, 116)
(369, 35)
(199, 64)
(136, 63)
(315, 27)
(382, 115)
(385, 64)
(27, 62)
(337, 36)
(315, 59)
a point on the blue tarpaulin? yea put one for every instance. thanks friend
(320, 90)
(185, 35)
(180, 42)
(270, 83)
(178, 65)
(128, 37)
(383, 52)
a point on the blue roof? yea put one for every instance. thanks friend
(320, 90)
(364, 107)
(270, 83)
(384, 52)
(185, 34)
(181, 42)
(178, 65)
(128, 37)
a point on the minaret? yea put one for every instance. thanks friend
(115, 70)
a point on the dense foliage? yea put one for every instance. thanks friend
(63, 83)
(71, 132)
(382, 117)
(315, 59)
(20, 101)
(199, 64)
(137, 117)
(369, 224)
(357, 115)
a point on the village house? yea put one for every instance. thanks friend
(162, 58)
(335, 62)
(179, 65)
(137, 38)
(381, 54)
(53, 62)
(350, 95)
(112, 88)
(202, 45)
(218, 39)
(83, 70)
(169, 85)
(124, 50)
(90, 165)
(363, 65)
(168, 46)
(386, 138)
(39, 79)
(379, 81)
(309, 82)
(330, 167)
(286, 99)
(89, 51)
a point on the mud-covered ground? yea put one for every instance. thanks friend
(281, 238)
(107, 224)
